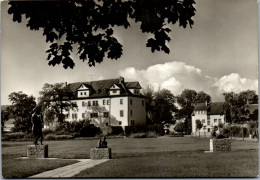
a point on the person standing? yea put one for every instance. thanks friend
(37, 125)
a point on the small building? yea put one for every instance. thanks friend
(111, 102)
(210, 115)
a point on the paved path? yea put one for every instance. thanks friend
(70, 170)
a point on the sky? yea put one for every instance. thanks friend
(218, 54)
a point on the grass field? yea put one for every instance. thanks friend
(147, 157)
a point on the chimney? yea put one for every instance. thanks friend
(121, 80)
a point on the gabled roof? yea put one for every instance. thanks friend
(201, 107)
(216, 108)
(86, 85)
(101, 88)
(133, 85)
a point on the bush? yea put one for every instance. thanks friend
(81, 128)
(57, 137)
(150, 134)
(46, 131)
(13, 136)
(112, 130)
(50, 137)
(236, 131)
(158, 129)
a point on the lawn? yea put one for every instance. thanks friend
(147, 157)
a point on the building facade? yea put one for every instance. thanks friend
(210, 115)
(112, 102)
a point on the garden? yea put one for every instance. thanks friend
(137, 157)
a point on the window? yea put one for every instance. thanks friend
(208, 122)
(104, 102)
(219, 120)
(142, 102)
(208, 129)
(93, 115)
(74, 116)
(81, 93)
(114, 91)
(108, 102)
(83, 103)
(121, 113)
(85, 93)
(132, 122)
(215, 120)
(120, 123)
(121, 101)
(106, 114)
(89, 103)
(95, 103)
(131, 102)
(83, 115)
(131, 112)
(106, 124)
(136, 91)
(203, 120)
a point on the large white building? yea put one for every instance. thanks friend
(210, 115)
(112, 102)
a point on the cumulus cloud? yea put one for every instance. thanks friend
(235, 83)
(176, 76)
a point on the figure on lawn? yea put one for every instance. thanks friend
(102, 143)
(37, 124)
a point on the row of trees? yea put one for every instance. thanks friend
(51, 103)
(162, 106)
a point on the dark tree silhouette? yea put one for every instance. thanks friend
(88, 25)
(22, 109)
(187, 100)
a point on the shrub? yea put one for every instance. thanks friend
(13, 136)
(112, 130)
(50, 137)
(81, 128)
(150, 134)
(57, 137)
(46, 131)
(158, 129)
(138, 135)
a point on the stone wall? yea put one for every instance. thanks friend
(100, 153)
(37, 151)
(222, 145)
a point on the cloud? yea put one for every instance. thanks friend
(176, 76)
(235, 83)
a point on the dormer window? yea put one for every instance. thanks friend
(83, 91)
(115, 90)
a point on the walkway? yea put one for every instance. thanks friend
(70, 170)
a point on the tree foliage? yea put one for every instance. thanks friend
(22, 109)
(4, 117)
(199, 125)
(88, 25)
(187, 101)
(163, 107)
(180, 127)
(148, 92)
(237, 106)
(54, 99)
